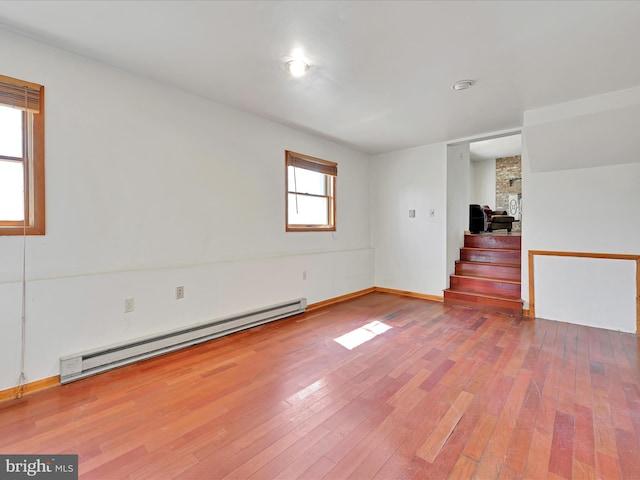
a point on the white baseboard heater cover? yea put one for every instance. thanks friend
(84, 364)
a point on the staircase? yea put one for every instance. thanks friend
(487, 276)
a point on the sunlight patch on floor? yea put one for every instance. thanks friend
(361, 335)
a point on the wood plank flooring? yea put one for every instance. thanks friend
(447, 392)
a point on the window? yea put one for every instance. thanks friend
(21, 157)
(311, 193)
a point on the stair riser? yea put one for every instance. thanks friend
(486, 287)
(493, 241)
(500, 272)
(488, 256)
(511, 307)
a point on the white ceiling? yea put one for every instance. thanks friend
(490, 149)
(381, 71)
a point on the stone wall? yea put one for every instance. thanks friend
(508, 181)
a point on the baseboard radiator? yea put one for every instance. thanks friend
(84, 364)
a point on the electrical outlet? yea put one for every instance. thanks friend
(179, 292)
(412, 213)
(128, 305)
(304, 275)
(432, 212)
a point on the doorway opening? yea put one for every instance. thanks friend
(496, 175)
(484, 263)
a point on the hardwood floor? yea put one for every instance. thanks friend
(447, 392)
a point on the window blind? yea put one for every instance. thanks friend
(13, 91)
(310, 163)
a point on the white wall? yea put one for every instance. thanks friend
(589, 132)
(458, 200)
(589, 291)
(582, 209)
(483, 182)
(148, 188)
(409, 251)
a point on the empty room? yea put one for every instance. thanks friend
(319, 240)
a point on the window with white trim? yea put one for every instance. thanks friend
(311, 193)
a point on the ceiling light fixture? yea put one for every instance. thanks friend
(463, 84)
(297, 67)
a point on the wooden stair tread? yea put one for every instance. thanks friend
(484, 249)
(483, 295)
(488, 279)
(480, 301)
(493, 241)
(489, 271)
(493, 264)
(491, 255)
(498, 288)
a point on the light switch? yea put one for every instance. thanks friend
(412, 214)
